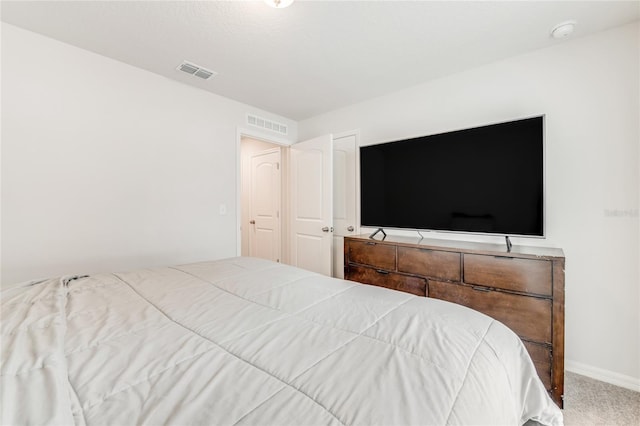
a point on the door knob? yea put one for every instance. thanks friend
(253, 222)
(325, 229)
(350, 228)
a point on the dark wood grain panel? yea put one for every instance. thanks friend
(558, 331)
(441, 265)
(529, 317)
(541, 357)
(382, 278)
(371, 253)
(525, 275)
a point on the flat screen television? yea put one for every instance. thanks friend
(487, 179)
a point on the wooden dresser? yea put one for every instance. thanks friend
(524, 288)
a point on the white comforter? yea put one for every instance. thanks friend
(246, 341)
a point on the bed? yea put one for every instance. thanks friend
(246, 341)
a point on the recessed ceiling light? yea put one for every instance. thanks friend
(563, 29)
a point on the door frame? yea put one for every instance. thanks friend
(356, 134)
(338, 251)
(284, 200)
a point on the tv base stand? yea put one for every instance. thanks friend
(384, 234)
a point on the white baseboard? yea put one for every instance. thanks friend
(603, 375)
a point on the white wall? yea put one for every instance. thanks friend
(589, 90)
(108, 167)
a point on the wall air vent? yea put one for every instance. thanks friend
(196, 70)
(263, 123)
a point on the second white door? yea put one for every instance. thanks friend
(312, 204)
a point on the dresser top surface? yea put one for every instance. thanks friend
(465, 246)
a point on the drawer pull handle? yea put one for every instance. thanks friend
(485, 289)
(382, 271)
(370, 243)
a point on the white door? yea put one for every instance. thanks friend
(344, 197)
(264, 232)
(312, 204)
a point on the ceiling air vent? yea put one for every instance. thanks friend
(202, 73)
(196, 70)
(263, 123)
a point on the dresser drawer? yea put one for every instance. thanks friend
(525, 275)
(441, 265)
(382, 278)
(529, 317)
(541, 357)
(380, 256)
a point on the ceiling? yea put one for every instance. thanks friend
(311, 57)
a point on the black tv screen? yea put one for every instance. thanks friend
(487, 179)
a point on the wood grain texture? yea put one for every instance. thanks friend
(525, 275)
(557, 369)
(528, 317)
(541, 357)
(392, 280)
(441, 265)
(371, 253)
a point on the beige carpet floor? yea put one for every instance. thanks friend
(591, 402)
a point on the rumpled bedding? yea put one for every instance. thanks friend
(246, 341)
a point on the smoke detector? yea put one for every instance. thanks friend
(196, 70)
(279, 4)
(563, 29)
